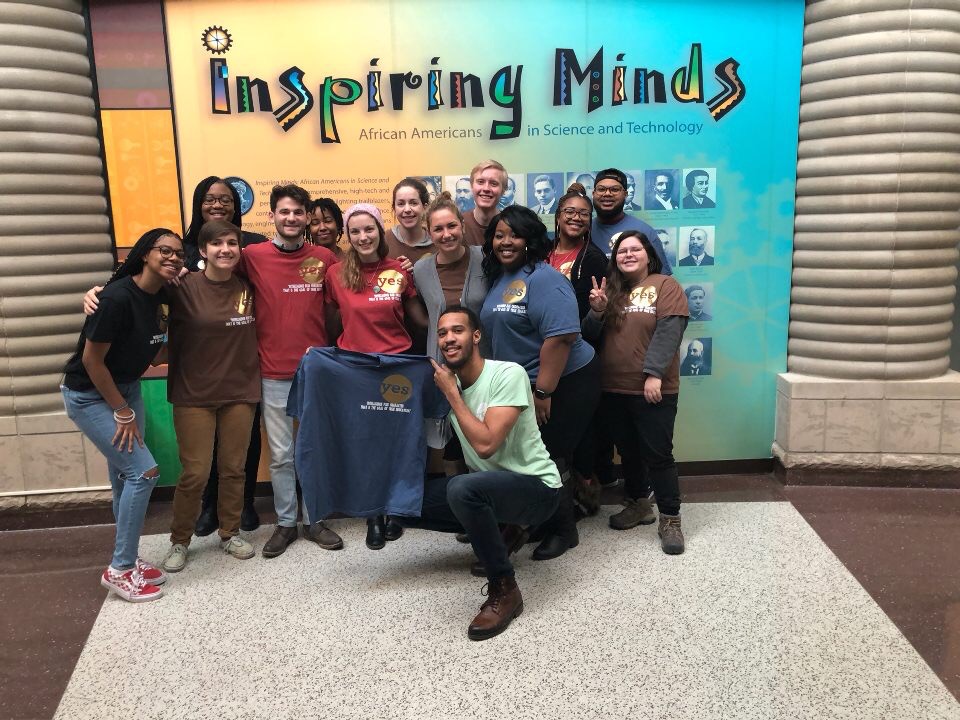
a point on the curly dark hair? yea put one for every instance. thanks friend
(294, 192)
(525, 224)
(329, 205)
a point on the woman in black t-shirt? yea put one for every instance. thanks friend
(101, 394)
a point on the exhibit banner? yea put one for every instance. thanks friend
(696, 102)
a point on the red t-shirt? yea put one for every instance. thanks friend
(373, 317)
(290, 296)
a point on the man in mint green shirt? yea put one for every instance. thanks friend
(513, 482)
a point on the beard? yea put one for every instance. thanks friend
(606, 216)
(466, 354)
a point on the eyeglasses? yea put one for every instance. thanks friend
(629, 251)
(608, 190)
(217, 199)
(571, 213)
(167, 252)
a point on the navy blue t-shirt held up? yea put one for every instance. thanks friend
(361, 448)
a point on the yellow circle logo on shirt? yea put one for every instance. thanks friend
(390, 281)
(312, 270)
(643, 296)
(244, 302)
(515, 292)
(163, 316)
(566, 268)
(396, 389)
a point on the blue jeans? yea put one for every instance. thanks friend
(279, 427)
(131, 489)
(477, 502)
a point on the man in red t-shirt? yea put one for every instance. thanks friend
(289, 280)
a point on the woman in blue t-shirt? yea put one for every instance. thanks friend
(101, 394)
(530, 317)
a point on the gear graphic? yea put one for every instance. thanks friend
(216, 39)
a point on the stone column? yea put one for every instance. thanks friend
(868, 385)
(54, 242)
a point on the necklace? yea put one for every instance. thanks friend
(372, 282)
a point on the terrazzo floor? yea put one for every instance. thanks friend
(758, 619)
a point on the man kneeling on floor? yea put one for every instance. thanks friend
(513, 481)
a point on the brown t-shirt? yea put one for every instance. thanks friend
(473, 232)
(397, 248)
(452, 279)
(212, 343)
(624, 348)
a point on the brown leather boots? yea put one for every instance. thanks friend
(503, 604)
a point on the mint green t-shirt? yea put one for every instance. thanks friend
(505, 384)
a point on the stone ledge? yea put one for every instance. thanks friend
(867, 469)
(810, 387)
(55, 501)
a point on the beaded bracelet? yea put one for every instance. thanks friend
(122, 407)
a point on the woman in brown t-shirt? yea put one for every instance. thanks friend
(214, 387)
(637, 319)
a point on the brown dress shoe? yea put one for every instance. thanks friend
(323, 536)
(278, 542)
(503, 604)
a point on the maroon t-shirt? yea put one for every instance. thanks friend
(290, 303)
(373, 317)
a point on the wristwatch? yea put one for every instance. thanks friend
(541, 394)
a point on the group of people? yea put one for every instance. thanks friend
(537, 343)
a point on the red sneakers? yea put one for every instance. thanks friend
(151, 574)
(129, 585)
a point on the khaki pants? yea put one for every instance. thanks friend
(196, 428)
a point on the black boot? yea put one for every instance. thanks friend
(208, 520)
(553, 546)
(393, 530)
(249, 519)
(376, 531)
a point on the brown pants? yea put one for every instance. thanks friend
(196, 428)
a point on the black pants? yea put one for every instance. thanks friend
(572, 406)
(250, 468)
(476, 503)
(644, 434)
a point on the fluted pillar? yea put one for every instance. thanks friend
(875, 244)
(54, 240)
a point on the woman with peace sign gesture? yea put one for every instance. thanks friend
(598, 296)
(636, 320)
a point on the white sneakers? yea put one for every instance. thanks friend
(237, 547)
(176, 558)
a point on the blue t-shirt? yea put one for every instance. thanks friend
(360, 448)
(524, 308)
(601, 234)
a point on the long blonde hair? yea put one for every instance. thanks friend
(350, 274)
